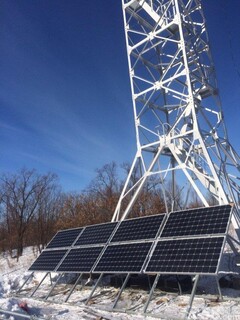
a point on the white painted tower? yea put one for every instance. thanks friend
(180, 132)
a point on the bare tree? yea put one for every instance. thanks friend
(21, 195)
(150, 200)
(103, 192)
(71, 211)
(43, 225)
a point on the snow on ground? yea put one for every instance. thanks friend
(163, 305)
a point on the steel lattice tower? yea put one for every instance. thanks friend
(180, 131)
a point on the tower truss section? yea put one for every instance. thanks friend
(180, 132)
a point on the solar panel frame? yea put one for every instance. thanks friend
(76, 256)
(169, 256)
(197, 222)
(64, 238)
(96, 234)
(123, 258)
(48, 258)
(137, 229)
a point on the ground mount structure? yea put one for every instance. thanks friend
(189, 242)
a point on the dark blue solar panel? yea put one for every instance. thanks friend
(200, 221)
(123, 258)
(64, 238)
(48, 260)
(96, 234)
(80, 260)
(138, 228)
(186, 256)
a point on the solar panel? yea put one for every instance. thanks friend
(138, 228)
(80, 259)
(64, 238)
(186, 256)
(96, 234)
(210, 220)
(48, 260)
(123, 258)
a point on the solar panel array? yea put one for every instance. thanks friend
(183, 242)
(79, 256)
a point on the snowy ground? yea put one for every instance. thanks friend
(163, 306)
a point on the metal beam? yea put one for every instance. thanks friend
(20, 315)
(74, 286)
(151, 292)
(121, 290)
(192, 295)
(39, 284)
(31, 275)
(94, 288)
(51, 290)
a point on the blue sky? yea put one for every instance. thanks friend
(64, 87)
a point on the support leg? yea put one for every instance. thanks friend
(151, 293)
(25, 282)
(219, 289)
(51, 290)
(121, 290)
(94, 288)
(74, 286)
(179, 286)
(149, 282)
(31, 295)
(192, 295)
(50, 276)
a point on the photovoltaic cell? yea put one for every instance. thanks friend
(210, 220)
(48, 260)
(96, 234)
(64, 238)
(80, 260)
(123, 258)
(138, 228)
(186, 256)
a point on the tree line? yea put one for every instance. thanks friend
(33, 206)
